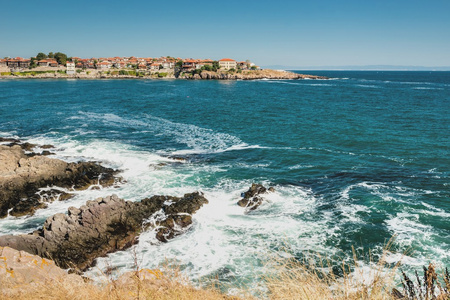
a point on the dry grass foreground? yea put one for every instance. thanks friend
(25, 276)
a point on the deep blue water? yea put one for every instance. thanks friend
(354, 160)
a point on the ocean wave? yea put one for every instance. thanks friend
(197, 139)
(426, 88)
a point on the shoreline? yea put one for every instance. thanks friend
(204, 75)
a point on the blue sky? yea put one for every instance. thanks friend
(283, 32)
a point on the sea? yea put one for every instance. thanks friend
(356, 161)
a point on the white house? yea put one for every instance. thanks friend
(70, 68)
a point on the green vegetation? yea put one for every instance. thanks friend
(61, 58)
(41, 56)
(215, 66)
(79, 71)
(123, 72)
(179, 64)
(33, 63)
(162, 75)
(5, 73)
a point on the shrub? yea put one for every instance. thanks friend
(162, 74)
(5, 73)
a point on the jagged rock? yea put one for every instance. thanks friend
(22, 175)
(256, 74)
(251, 198)
(105, 225)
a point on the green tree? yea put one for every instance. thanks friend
(215, 66)
(41, 56)
(51, 55)
(61, 58)
(179, 64)
(33, 63)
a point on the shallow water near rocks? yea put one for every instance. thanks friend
(354, 160)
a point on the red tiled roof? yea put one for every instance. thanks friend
(227, 59)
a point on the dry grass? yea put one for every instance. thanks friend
(288, 279)
(292, 279)
(161, 288)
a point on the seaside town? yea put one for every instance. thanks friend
(167, 65)
(59, 65)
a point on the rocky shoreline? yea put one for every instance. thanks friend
(29, 180)
(105, 225)
(203, 75)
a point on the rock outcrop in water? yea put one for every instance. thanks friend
(251, 75)
(23, 174)
(105, 225)
(251, 198)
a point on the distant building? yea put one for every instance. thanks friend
(47, 63)
(188, 65)
(3, 63)
(70, 65)
(227, 63)
(53, 63)
(13, 63)
(154, 66)
(104, 65)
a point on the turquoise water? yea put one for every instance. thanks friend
(354, 160)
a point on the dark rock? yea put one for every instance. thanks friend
(22, 175)
(105, 225)
(45, 152)
(251, 198)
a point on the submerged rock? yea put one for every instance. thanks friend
(251, 198)
(22, 175)
(105, 225)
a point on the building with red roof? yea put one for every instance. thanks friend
(227, 63)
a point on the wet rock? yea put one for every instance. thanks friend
(105, 225)
(251, 198)
(22, 175)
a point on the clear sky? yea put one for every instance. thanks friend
(275, 32)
